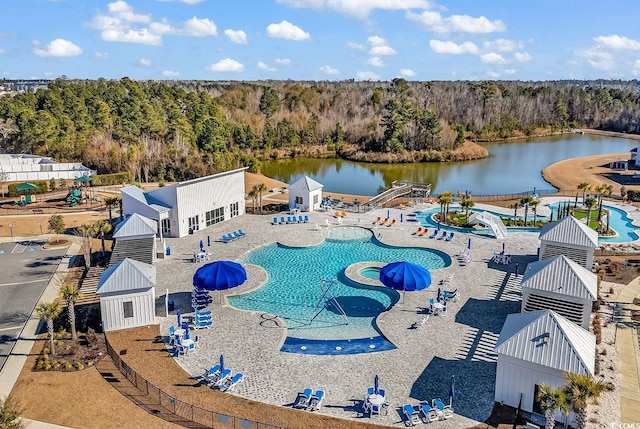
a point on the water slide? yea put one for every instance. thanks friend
(491, 221)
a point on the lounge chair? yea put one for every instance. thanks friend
(393, 222)
(377, 219)
(429, 414)
(226, 239)
(417, 231)
(420, 324)
(316, 400)
(208, 373)
(344, 214)
(424, 232)
(443, 235)
(219, 378)
(300, 219)
(306, 218)
(337, 214)
(203, 324)
(384, 221)
(289, 219)
(435, 234)
(230, 383)
(241, 233)
(275, 221)
(303, 399)
(444, 410)
(282, 222)
(412, 415)
(450, 237)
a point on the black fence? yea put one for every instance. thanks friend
(184, 410)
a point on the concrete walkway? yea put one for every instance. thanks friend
(629, 352)
(18, 357)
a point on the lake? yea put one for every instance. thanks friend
(511, 167)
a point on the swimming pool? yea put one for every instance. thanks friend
(297, 276)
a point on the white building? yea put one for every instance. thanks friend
(127, 295)
(537, 348)
(24, 168)
(189, 206)
(305, 194)
(570, 237)
(561, 285)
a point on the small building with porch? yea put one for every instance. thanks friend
(571, 238)
(135, 238)
(305, 194)
(537, 348)
(127, 295)
(561, 285)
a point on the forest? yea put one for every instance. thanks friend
(177, 130)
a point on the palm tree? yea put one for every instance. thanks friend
(467, 203)
(515, 206)
(87, 231)
(589, 203)
(260, 188)
(70, 293)
(254, 196)
(581, 390)
(111, 202)
(49, 311)
(534, 207)
(552, 399)
(584, 186)
(445, 199)
(101, 228)
(524, 202)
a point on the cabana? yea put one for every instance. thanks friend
(127, 295)
(561, 285)
(135, 238)
(570, 237)
(305, 194)
(537, 348)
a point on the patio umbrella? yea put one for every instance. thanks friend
(503, 247)
(83, 179)
(219, 275)
(201, 246)
(439, 295)
(452, 390)
(186, 332)
(405, 276)
(179, 316)
(376, 385)
(208, 241)
(469, 244)
(26, 187)
(221, 363)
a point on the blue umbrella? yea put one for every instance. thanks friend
(186, 332)
(452, 389)
(208, 241)
(405, 276)
(221, 363)
(376, 389)
(201, 246)
(439, 294)
(469, 244)
(438, 226)
(179, 319)
(219, 275)
(503, 247)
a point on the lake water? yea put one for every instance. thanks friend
(510, 168)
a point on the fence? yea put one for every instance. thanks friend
(180, 408)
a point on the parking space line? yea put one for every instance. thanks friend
(11, 328)
(44, 279)
(19, 248)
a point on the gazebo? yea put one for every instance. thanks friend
(26, 187)
(305, 194)
(570, 237)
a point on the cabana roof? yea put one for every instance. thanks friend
(145, 198)
(127, 275)
(135, 225)
(561, 275)
(546, 338)
(305, 184)
(569, 230)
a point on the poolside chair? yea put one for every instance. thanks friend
(377, 219)
(180, 350)
(412, 415)
(337, 214)
(435, 234)
(444, 410)
(443, 235)
(450, 237)
(424, 232)
(327, 222)
(316, 400)
(203, 313)
(384, 221)
(282, 222)
(241, 232)
(300, 219)
(289, 219)
(303, 398)
(306, 218)
(417, 231)
(275, 221)
(232, 382)
(420, 324)
(225, 239)
(393, 222)
(344, 214)
(429, 414)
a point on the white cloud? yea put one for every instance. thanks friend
(356, 46)
(435, 22)
(163, 27)
(367, 76)
(522, 57)
(170, 73)
(382, 50)
(59, 48)
(226, 65)
(195, 27)
(102, 56)
(329, 70)
(286, 30)
(236, 36)
(266, 67)
(448, 47)
(636, 67)
(283, 61)
(599, 60)
(145, 62)
(376, 41)
(493, 58)
(375, 62)
(142, 36)
(359, 8)
(493, 74)
(123, 10)
(407, 73)
(503, 45)
(185, 1)
(617, 42)
(510, 71)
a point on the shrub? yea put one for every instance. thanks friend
(78, 365)
(41, 188)
(66, 364)
(112, 179)
(55, 365)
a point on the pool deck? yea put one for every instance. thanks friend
(460, 343)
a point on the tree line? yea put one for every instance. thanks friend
(181, 130)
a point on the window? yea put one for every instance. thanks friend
(315, 199)
(235, 209)
(214, 216)
(194, 223)
(299, 200)
(166, 226)
(128, 309)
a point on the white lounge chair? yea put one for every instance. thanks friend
(303, 399)
(429, 414)
(230, 383)
(412, 415)
(444, 411)
(316, 400)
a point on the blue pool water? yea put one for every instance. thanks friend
(619, 222)
(370, 272)
(294, 288)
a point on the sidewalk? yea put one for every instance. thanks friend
(628, 352)
(16, 361)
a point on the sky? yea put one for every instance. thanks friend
(320, 39)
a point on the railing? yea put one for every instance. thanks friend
(180, 408)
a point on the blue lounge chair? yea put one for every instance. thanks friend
(443, 235)
(230, 383)
(226, 239)
(300, 219)
(220, 377)
(428, 414)
(289, 219)
(203, 313)
(443, 410)
(412, 415)
(435, 234)
(282, 222)
(303, 399)
(306, 218)
(209, 373)
(316, 400)
(241, 232)
(275, 221)
(450, 236)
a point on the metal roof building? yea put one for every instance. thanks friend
(570, 237)
(561, 285)
(305, 194)
(536, 348)
(135, 238)
(127, 295)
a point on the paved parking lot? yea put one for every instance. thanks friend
(25, 271)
